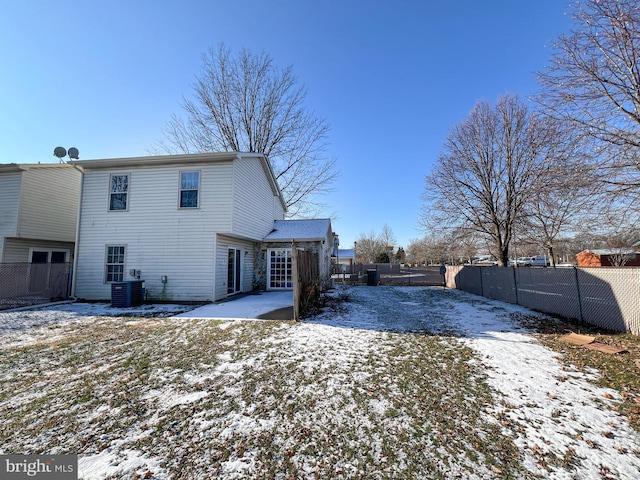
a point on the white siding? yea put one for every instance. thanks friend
(326, 250)
(255, 207)
(49, 203)
(222, 264)
(160, 238)
(9, 201)
(17, 249)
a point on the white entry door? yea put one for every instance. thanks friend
(279, 269)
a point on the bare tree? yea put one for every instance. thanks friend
(430, 249)
(488, 169)
(593, 81)
(387, 236)
(417, 250)
(368, 247)
(464, 245)
(371, 246)
(562, 201)
(247, 104)
(620, 235)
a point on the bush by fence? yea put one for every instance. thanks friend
(606, 297)
(24, 284)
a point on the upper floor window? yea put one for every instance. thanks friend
(189, 187)
(118, 191)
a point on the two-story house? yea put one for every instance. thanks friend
(38, 215)
(191, 226)
(38, 212)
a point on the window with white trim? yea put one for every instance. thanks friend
(114, 267)
(189, 189)
(118, 192)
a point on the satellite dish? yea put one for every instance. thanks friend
(74, 153)
(59, 152)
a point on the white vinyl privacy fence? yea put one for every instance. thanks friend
(606, 297)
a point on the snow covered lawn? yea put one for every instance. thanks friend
(396, 382)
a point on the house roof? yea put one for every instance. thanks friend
(21, 167)
(156, 160)
(185, 159)
(345, 252)
(612, 251)
(299, 230)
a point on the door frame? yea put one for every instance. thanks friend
(235, 270)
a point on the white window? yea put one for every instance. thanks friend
(279, 269)
(189, 188)
(118, 192)
(114, 267)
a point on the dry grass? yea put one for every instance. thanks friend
(619, 371)
(203, 399)
(201, 396)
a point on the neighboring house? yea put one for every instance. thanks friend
(38, 212)
(190, 226)
(608, 257)
(315, 235)
(344, 260)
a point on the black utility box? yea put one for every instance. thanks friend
(127, 294)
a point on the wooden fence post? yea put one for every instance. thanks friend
(295, 281)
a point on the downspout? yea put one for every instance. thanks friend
(74, 271)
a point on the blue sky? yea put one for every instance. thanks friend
(390, 78)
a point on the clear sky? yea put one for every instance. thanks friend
(390, 78)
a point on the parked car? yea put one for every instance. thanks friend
(537, 261)
(540, 261)
(484, 260)
(521, 262)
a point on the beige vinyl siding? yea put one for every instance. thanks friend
(160, 238)
(17, 249)
(9, 201)
(222, 264)
(255, 207)
(49, 203)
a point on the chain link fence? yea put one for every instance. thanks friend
(606, 297)
(388, 274)
(25, 284)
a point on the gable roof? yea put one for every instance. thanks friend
(185, 159)
(299, 230)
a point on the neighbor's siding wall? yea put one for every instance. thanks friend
(9, 201)
(161, 239)
(49, 203)
(326, 250)
(222, 264)
(17, 249)
(255, 207)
